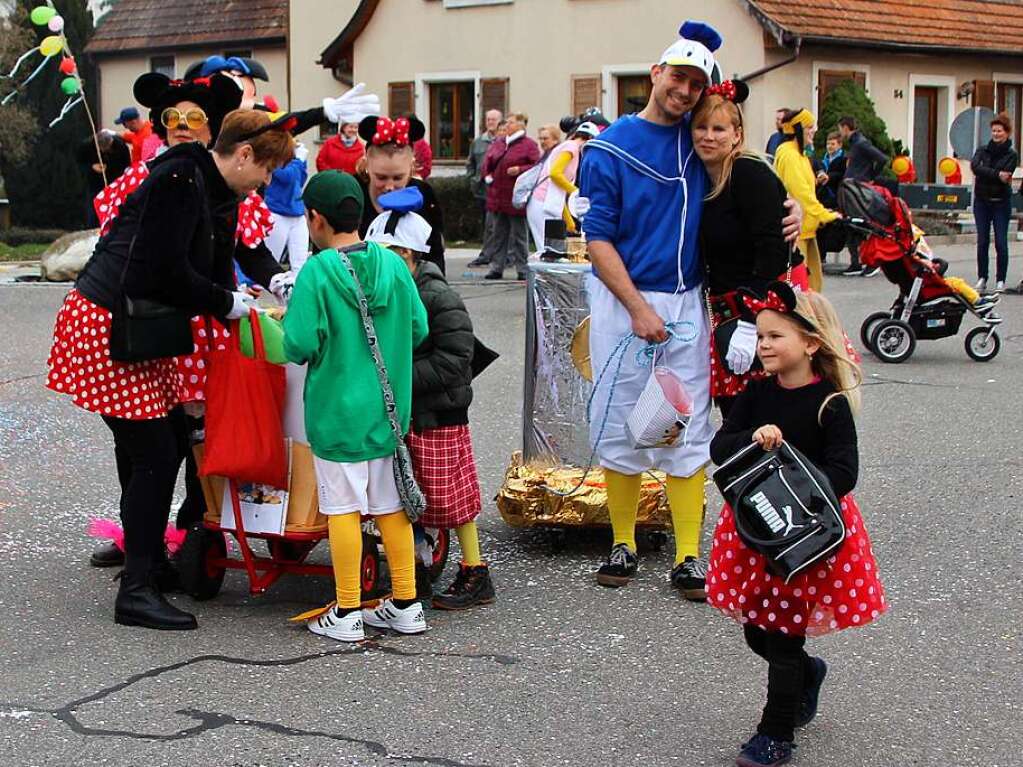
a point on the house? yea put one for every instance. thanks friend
(451, 60)
(136, 36)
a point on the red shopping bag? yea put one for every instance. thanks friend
(244, 403)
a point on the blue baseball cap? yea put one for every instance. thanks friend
(128, 113)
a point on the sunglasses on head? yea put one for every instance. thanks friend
(193, 118)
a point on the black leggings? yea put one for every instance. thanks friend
(789, 667)
(194, 505)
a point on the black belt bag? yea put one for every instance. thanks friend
(783, 505)
(141, 330)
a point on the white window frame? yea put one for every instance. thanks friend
(609, 75)
(422, 96)
(839, 65)
(170, 56)
(931, 81)
(472, 3)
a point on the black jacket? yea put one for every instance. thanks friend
(182, 222)
(431, 212)
(117, 159)
(866, 161)
(442, 365)
(986, 164)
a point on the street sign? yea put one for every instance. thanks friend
(970, 130)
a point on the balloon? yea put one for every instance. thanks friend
(51, 46)
(70, 86)
(56, 24)
(42, 14)
(900, 165)
(947, 166)
(68, 66)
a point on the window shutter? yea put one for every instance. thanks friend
(401, 99)
(586, 92)
(494, 95)
(984, 94)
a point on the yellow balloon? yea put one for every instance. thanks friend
(51, 46)
(947, 166)
(900, 165)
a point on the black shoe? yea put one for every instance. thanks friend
(811, 693)
(479, 261)
(765, 751)
(494, 276)
(620, 568)
(424, 584)
(139, 603)
(690, 577)
(107, 555)
(166, 577)
(472, 586)
(852, 271)
(871, 271)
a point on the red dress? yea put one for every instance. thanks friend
(841, 592)
(445, 469)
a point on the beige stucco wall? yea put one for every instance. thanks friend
(118, 73)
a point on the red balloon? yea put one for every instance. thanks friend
(68, 66)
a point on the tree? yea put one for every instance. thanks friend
(18, 122)
(45, 186)
(849, 99)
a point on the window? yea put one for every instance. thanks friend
(925, 132)
(827, 79)
(494, 95)
(633, 93)
(1010, 101)
(401, 99)
(452, 119)
(162, 64)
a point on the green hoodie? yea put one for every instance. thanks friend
(344, 405)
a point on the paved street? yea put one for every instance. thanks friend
(558, 671)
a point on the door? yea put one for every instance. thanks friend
(925, 133)
(1010, 101)
(633, 93)
(452, 119)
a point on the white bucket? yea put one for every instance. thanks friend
(662, 412)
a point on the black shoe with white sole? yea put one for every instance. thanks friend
(690, 577)
(620, 568)
(852, 271)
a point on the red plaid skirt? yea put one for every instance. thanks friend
(445, 469)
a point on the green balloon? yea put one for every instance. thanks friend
(42, 14)
(69, 85)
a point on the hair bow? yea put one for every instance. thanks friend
(215, 64)
(725, 90)
(203, 81)
(392, 131)
(772, 301)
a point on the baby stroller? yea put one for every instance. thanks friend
(927, 307)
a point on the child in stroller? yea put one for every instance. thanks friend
(930, 304)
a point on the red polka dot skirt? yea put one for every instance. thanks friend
(841, 592)
(207, 333)
(79, 365)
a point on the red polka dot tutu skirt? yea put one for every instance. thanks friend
(445, 469)
(841, 592)
(80, 366)
(192, 368)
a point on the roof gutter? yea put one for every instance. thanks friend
(782, 36)
(778, 65)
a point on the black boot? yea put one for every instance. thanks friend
(472, 586)
(139, 603)
(107, 555)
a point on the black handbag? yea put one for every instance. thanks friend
(142, 329)
(783, 505)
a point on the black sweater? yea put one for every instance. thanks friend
(830, 444)
(740, 230)
(431, 212)
(987, 163)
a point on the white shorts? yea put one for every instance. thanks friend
(366, 487)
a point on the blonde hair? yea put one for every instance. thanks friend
(519, 117)
(707, 108)
(553, 130)
(832, 361)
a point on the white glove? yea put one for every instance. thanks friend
(301, 152)
(281, 286)
(242, 303)
(351, 107)
(742, 347)
(578, 206)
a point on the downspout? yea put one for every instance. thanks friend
(785, 62)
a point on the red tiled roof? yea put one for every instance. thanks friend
(994, 26)
(148, 24)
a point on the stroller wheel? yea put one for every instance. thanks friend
(441, 549)
(870, 325)
(893, 341)
(201, 577)
(983, 344)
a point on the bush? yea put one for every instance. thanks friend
(462, 219)
(20, 235)
(848, 98)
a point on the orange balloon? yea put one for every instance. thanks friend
(948, 166)
(900, 165)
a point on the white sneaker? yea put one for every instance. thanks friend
(981, 285)
(1000, 286)
(411, 620)
(344, 628)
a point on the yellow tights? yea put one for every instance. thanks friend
(685, 498)
(346, 555)
(469, 540)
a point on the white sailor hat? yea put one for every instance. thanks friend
(398, 225)
(695, 49)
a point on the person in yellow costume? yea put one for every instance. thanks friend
(796, 173)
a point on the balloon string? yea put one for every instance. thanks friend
(19, 62)
(70, 104)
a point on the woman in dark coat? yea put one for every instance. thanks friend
(992, 166)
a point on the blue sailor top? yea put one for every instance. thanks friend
(646, 188)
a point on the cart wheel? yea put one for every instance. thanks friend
(200, 578)
(980, 346)
(870, 325)
(893, 341)
(369, 570)
(441, 549)
(656, 539)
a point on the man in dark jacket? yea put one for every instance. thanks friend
(864, 163)
(992, 167)
(474, 170)
(114, 157)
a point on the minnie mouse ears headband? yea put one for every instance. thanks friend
(778, 297)
(735, 91)
(285, 121)
(378, 131)
(155, 90)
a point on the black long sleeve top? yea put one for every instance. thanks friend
(740, 230)
(830, 443)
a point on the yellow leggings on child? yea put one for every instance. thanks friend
(346, 555)
(685, 498)
(469, 540)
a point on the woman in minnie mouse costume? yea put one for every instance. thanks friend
(389, 165)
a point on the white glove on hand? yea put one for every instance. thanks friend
(301, 152)
(351, 107)
(281, 286)
(242, 303)
(578, 206)
(742, 347)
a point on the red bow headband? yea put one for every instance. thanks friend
(779, 297)
(773, 301)
(203, 81)
(392, 131)
(725, 90)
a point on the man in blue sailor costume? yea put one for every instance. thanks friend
(645, 187)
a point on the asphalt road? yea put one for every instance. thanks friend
(558, 671)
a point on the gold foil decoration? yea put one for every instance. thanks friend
(580, 349)
(576, 249)
(525, 499)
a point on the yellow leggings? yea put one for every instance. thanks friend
(469, 540)
(685, 498)
(346, 555)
